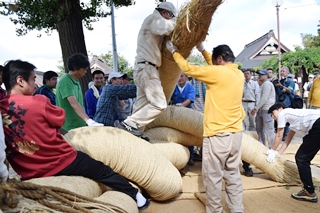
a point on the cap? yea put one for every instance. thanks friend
(126, 75)
(263, 72)
(311, 76)
(168, 6)
(114, 75)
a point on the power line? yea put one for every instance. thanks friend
(305, 5)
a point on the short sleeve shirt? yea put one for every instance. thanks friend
(67, 86)
(300, 120)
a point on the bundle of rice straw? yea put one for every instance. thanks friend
(190, 121)
(191, 28)
(130, 156)
(180, 118)
(78, 186)
(177, 154)
(282, 171)
(173, 135)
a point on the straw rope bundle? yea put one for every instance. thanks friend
(173, 135)
(28, 197)
(180, 118)
(282, 171)
(177, 154)
(131, 157)
(191, 28)
(252, 150)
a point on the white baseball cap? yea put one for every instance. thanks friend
(114, 75)
(168, 6)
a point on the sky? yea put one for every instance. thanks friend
(235, 23)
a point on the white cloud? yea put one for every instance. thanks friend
(236, 23)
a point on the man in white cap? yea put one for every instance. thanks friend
(151, 101)
(107, 106)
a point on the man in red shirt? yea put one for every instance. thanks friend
(35, 147)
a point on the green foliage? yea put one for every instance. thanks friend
(302, 58)
(123, 64)
(196, 58)
(44, 14)
(239, 65)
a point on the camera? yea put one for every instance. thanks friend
(276, 81)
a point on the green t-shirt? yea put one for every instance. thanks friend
(66, 87)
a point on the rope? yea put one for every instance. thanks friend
(52, 197)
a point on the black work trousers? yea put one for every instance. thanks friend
(87, 167)
(306, 152)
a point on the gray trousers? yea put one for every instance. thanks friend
(220, 161)
(250, 119)
(265, 127)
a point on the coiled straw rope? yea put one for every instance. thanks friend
(131, 157)
(50, 197)
(191, 28)
(177, 154)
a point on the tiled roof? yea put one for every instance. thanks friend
(98, 64)
(259, 50)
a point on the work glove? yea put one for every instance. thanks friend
(91, 122)
(200, 47)
(272, 154)
(171, 47)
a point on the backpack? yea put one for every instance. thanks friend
(296, 102)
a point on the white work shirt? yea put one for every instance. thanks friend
(251, 91)
(300, 120)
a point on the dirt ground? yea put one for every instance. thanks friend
(260, 193)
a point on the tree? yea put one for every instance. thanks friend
(65, 16)
(123, 64)
(309, 40)
(196, 58)
(305, 61)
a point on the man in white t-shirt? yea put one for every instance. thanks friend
(307, 122)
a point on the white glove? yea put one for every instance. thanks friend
(200, 47)
(272, 154)
(171, 47)
(91, 122)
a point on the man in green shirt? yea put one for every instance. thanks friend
(69, 95)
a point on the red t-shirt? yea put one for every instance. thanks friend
(35, 147)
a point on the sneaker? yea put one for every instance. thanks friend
(248, 172)
(304, 195)
(130, 129)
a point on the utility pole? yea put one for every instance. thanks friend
(114, 43)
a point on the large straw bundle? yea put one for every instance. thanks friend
(191, 28)
(180, 118)
(282, 171)
(252, 150)
(173, 135)
(131, 157)
(80, 185)
(177, 154)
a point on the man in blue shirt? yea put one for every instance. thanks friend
(93, 93)
(183, 96)
(284, 92)
(107, 106)
(50, 79)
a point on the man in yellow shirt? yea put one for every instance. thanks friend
(314, 94)
(223, 116)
